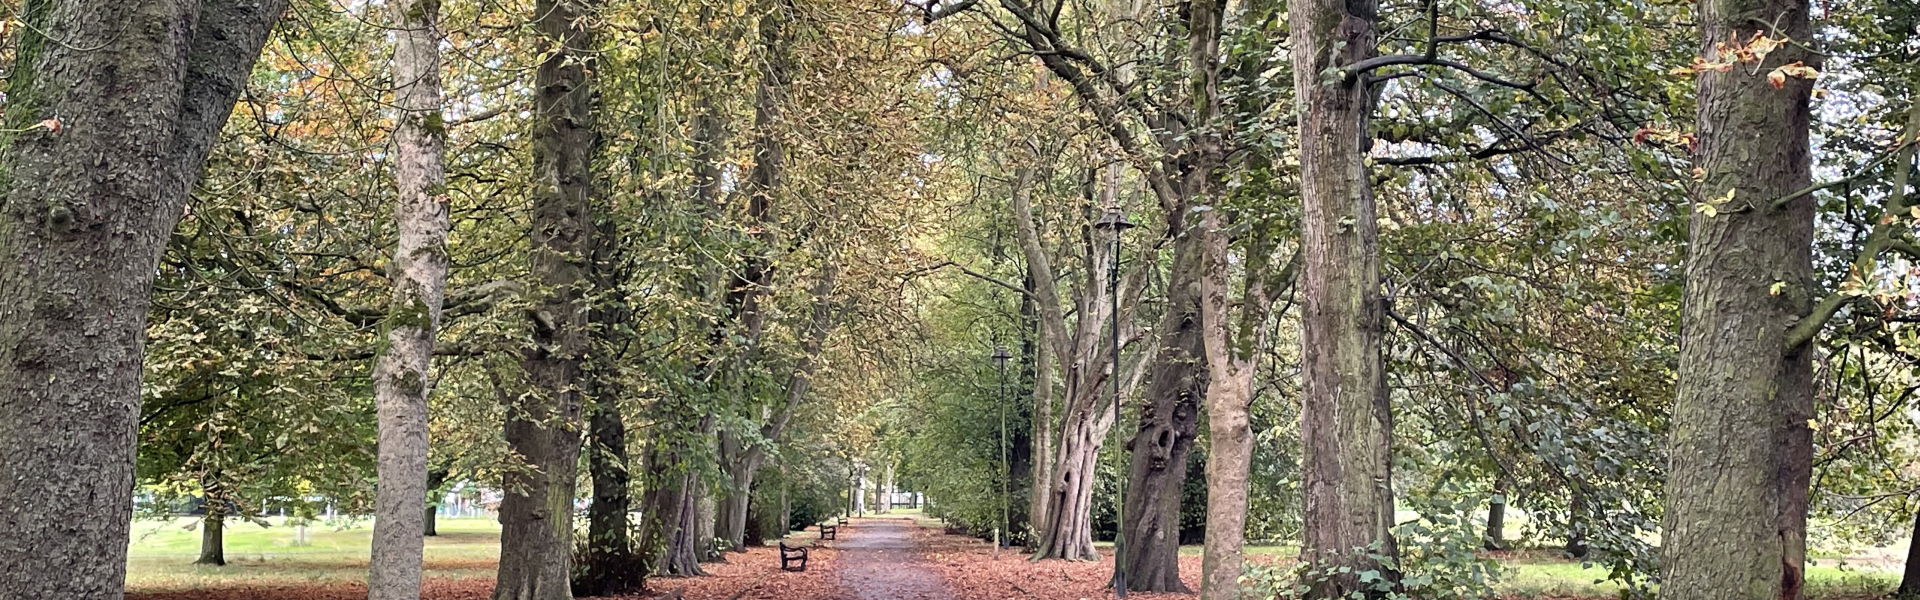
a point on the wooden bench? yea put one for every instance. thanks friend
(789, 555)
(827, 531)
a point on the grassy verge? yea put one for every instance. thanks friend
(161, 554)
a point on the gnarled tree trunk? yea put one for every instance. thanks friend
(110, 126)
(1169, 422)
(419, 275)
(1346, 427)
(1741, 448)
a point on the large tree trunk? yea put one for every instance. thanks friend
(1741, 449)
(419, 275)
(612, 566)
(1346, 426)
(1576, 522)
(1068, 530)
(543, 427)
(111, 127)
(1168, 424)
(668, 531)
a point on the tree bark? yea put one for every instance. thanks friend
(213, 548)
(1741, 448)
(543, 427)
(436, 478)
(705, 512)
(1576, 523)
(1169, 422)
(1910, 576)
(612, 568)
(1346, 426)
(668, 531)
(1497, 521)
(419, 275)
(1042, 377)
(111, 128)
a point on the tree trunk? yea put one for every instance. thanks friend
(109, 132)
(419, 275)
(1041, 371)
(436, 479)
(734, 505)
(668, 531)
(611, 568)
(1085, 367)
(1346, 426)
(1576, 523)
(1068, 531)
(543, 427)
(1741, 449)
(213, 548)
(1168, 424)
(1497, 521)
(1910, 576)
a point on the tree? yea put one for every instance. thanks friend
(78, 254)
(543, 425)
(1346, 426)
(1741, 447)
(419, 275)
(1068, 532)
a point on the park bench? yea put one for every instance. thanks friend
(789, 555)
(827, 531)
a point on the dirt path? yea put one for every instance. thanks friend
(879, 561)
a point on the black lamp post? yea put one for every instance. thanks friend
(1000, 357)
(1116, 222)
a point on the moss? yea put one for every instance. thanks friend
(422, 10)
(435, 124)
(24, 101)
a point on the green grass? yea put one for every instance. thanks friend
(1561, 578)
(161, 554)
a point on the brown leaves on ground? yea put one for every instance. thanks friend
(754, 575)
(973, 573)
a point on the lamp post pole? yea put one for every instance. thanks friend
(1117, 222)
(1000, 357)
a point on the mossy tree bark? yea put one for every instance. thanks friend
(1741, 448)
(544, 422)
(1346, 427)
(113, 107)
(1169, 424)
(419, 276)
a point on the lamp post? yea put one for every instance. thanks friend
(1000, 357)
(1116, 222)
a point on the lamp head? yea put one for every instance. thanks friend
(1114, 220)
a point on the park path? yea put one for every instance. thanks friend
(879, 560)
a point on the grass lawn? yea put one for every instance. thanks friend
(161, 554)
